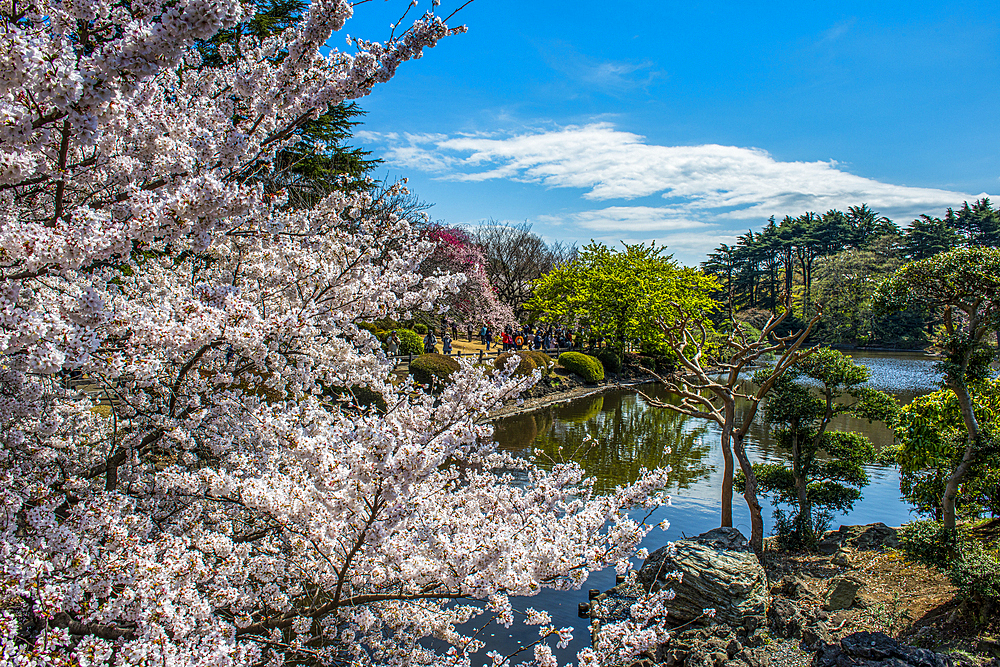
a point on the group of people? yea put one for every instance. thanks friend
(430, 342)
(528, 338)
(511, 338)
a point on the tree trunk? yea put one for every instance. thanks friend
(805, 511)
(727, 479)
(750, 495)
(971, 443)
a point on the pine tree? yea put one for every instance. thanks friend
(827, 467)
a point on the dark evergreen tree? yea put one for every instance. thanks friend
(929, 236)
(321, 161)
(978, 225)
(722, 264)
(867, 225)
(827, 467)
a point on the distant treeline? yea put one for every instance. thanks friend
(835, 260)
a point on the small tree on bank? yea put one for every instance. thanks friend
(710, 386)
(964, 286)
(931, 439)
(827, 466)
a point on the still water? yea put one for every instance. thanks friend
(630, 434)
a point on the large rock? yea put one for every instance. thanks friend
(861, 538)
(871, 649)
(840, 593)
(719, 570)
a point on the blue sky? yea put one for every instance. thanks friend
(689, 123)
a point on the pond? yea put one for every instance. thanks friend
(630, 434)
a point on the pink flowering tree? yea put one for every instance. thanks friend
(476, 302)
(220, 506)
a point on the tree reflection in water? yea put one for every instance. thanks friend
(629, 434)
(611, 436)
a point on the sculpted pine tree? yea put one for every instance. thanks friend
(827, 466)
(710, 385)
(220, 507)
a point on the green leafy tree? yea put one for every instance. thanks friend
(845, 284)
(930, 443)
(621, 294)
(827, 466)
(964, 285)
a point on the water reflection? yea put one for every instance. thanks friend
(628, 434)
(612, 436)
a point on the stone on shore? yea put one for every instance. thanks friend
(719, 570)
(840, 593)
(870, 649)
(859, 538)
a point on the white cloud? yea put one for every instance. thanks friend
(607, 76)
(701, 183)
(629, 219)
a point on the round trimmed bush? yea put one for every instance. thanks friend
(584, 365)
(541, 359)
(433, 368)
(368, 326)
(420, 328)
(410, 342)
(524, 367)
(612, 362)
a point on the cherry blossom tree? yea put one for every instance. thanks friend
(222, 504)
(476, 302)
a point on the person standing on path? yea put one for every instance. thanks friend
(430, 340)
(446, 343)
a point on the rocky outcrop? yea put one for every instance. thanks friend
(718, 646)
(871, 649)
(860, 538)
(719, 571)
(806, 624)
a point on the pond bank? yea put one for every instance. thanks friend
(550, 396)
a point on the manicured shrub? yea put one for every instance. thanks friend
(410, 342)
(524, 367)
(976, 574)
(610, 360)
(388, 325)
(433, 368)
(541, 359)
(587, 367)
(420, 328)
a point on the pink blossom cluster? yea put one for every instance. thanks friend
(189, 471)
(477, 302)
